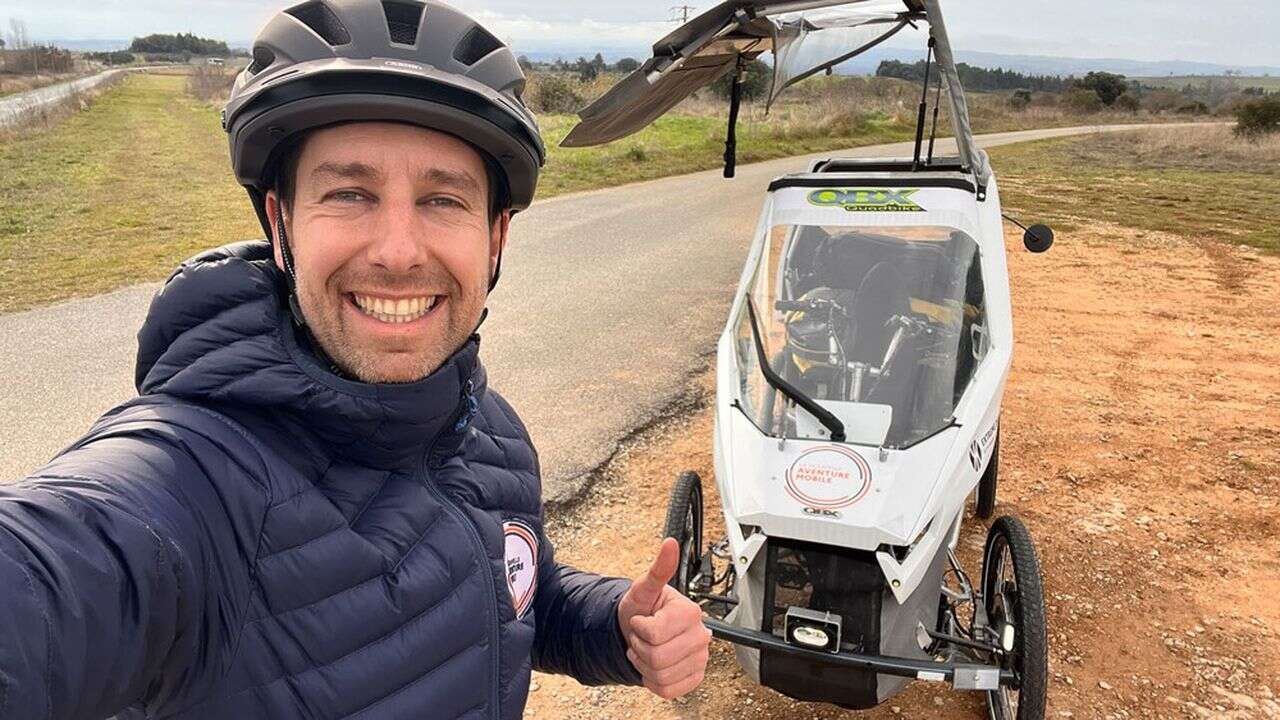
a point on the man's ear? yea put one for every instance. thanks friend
(498, 231)
(272, 205)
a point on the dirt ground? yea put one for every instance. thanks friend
(1142, 448)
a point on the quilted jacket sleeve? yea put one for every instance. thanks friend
(119, 578)
(577, 620)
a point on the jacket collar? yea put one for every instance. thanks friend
(219, 333)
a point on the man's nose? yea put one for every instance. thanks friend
(398, 244)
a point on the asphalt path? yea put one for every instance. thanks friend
(609, 300)
(15, 108)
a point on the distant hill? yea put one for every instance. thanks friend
(866, 64)
(88, 45)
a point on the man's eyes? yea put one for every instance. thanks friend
(446, 202)
(437, 201)
(347, 196)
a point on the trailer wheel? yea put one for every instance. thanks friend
(684, 523)
(986, 506)
(1013, 594)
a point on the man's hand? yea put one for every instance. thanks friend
(666, 640)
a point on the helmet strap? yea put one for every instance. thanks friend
(497, 272)
(291, 276)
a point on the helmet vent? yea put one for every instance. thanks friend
(317, 16)
(262, 59)
(476, 44)
(403, 19)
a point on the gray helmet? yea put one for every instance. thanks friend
(425, 63)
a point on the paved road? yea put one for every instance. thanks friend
(608, 300)
(16, 107)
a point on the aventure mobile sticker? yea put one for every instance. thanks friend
(828, 478)
(522, 564)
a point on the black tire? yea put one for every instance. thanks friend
(684, 523)
(986, 506)
(1018, 600)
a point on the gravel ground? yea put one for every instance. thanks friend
(1142, 448)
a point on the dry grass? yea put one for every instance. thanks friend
(211, 83)
(13, 84)
(1216, 148)
(1200, 182)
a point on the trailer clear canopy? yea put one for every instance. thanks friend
(805, 37)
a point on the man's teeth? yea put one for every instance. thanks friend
(395, 311)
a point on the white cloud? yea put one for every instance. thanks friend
(1226, 31)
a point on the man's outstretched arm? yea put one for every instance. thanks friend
(110, 567)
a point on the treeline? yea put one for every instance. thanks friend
(976, 78)
(117, 57)
(185, 44)
(586, 70)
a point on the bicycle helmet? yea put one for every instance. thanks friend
(325, 62)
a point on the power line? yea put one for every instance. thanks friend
(682, 13)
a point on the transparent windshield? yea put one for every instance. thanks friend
(881, 326)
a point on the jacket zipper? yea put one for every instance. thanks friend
(470, 408)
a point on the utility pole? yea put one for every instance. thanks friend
(682, 13)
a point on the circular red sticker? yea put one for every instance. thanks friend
(522, 565)
(828, 478)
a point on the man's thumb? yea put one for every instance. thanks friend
(649, 588)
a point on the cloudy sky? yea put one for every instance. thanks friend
(1233, 32)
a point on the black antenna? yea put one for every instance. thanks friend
(924, 106)
(937, 105)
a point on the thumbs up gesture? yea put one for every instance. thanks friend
(666, 640)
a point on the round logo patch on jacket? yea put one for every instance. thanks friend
(522, 564)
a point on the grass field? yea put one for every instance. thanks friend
(121, 192)
(1177, 82)
(1203, 183)
(115, 195)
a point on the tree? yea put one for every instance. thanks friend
(1108, 86)
(18, 34)
(627, 65)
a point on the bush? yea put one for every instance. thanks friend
(1158, 101)
(1194, 107)
(1258, 117)
(1128, 102)
(555, 95)
(1082, 101)
(1020, 100)
(119, 57)
(627, 65)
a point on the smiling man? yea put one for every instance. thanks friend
(316, 508)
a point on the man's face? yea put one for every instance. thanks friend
(393, 246)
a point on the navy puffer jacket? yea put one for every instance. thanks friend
(257, 537)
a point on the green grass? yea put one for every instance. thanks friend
(115, 195)
(1201, 184)
(677, 144)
